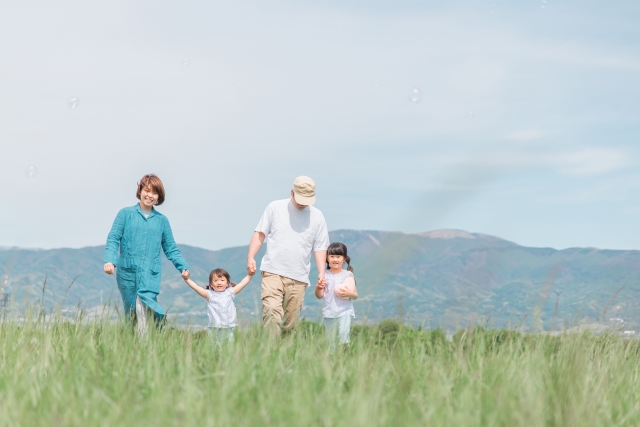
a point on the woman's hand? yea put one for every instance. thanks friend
(108, 268)
(186, 274)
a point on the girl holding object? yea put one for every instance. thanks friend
(138, 236)
(220, 307)
(337, 296)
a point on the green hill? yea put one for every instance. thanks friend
(445, 277)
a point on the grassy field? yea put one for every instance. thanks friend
(94, 373)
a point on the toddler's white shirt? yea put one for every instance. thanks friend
(221, 309)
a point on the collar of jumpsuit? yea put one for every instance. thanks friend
(142, 212)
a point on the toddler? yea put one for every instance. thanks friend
(220, 295)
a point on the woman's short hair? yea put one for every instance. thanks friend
(151, 180)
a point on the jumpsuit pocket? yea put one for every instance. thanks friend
(127, 274)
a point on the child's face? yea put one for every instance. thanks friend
(219, 283)
(335, 261)
(148, 197)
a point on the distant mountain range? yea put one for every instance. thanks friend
(448, 278)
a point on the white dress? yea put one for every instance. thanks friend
(221, 309)
(332, 305)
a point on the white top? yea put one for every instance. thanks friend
(221, 309)
(332, 305)
(292, 235)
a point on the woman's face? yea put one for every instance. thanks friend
(335, 261)
(219, 283)
(148, 197)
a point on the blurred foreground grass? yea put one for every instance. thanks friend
(93, 373)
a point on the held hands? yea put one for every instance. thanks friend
(251, 267)
(186, 274)
(109, 268)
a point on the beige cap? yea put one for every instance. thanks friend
(304, 190)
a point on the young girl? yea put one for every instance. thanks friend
(138, 236)
(220, 295)
(337, 295)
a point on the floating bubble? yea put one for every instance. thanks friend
(471, 114)
(31, 171)
(415, 95)
(73, 103)
(186, 61)
(494, 6)
(376, 85)
(543, 4)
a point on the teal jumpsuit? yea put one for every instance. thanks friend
(138, 267)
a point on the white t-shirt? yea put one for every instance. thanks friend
(221, 309)
(292, 235)
(332, 305)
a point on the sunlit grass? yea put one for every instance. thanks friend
(88, 373)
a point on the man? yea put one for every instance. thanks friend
(294, 229)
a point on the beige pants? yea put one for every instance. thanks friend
(281, 302)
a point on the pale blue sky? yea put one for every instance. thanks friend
(528, 128)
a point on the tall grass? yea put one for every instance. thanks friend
(93, 373)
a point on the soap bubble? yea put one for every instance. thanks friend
(415, 95)
(73, 103)
(471, 114)
(31, 171)
(376, 85)
(543, 4)
(494, 6)
(186, 61)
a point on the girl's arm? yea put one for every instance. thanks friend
(345, 293)
(320, 290)
(354, 294)
(237, 288)
(200, 291)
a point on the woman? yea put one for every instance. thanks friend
(139, 232)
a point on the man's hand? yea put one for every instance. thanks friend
(251, 266)
(186, 274)
(108, 268)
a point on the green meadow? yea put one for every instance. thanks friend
(98, 373)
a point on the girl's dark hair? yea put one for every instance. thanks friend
(219, 272)
(338, 248)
